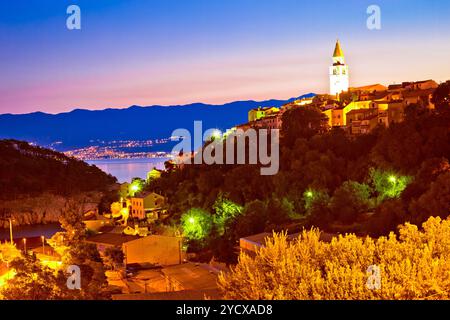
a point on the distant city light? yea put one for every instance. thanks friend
(216, 134)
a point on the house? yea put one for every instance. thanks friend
(252, 243)
(421, 97)
(98, 223)
(396, 112)
(154, 250)
(420, 85)
(136, 207)
(109, 240)
(269, 122)
(147, 205)
(188, 281)
(335, 116)
(355, 105)
(154, 174)
(261, 112)
(361, 121)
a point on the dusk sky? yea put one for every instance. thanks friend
(169, 52)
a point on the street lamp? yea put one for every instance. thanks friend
(393, 179)
(25, 245)
(10, 230)
(43, 244)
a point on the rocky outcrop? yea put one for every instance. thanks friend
(43, 209)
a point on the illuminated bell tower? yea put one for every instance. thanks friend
(338, 72)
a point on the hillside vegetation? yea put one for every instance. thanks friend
(367, 184)
(27, 171)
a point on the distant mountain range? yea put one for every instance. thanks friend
(80, 128)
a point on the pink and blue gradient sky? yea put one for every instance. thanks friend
(168, 52)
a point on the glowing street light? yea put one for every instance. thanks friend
(309, 194)
(10, 230)
(191, 220)
(43, 244)
(24, 245)
(392, 179)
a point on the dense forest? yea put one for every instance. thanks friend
(27, 171)
(367, 184)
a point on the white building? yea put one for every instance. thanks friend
(339, 80)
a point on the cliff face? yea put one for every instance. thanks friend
(43, 209)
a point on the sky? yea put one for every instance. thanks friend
(168, 52)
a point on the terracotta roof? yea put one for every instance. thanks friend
(417, 93)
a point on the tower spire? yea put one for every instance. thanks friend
(338, 50)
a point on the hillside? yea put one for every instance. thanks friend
(366, 184)
(27, 171)
(79, 127)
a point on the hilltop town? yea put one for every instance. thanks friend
(358, 110)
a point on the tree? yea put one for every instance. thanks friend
(113, 257)
(441, 97)
(93, 279)
(197, 224)
(225, 210)
(252, 220)
(72, 221)
(388, 184)
(435, 201)
(32, 281)
(350, 200)
(302, 122)
(8, 252)
(414, 265)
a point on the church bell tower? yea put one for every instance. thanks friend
(339, 80)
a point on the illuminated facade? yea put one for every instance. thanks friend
(339, 77)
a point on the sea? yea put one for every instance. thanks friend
(123, 169)
(127, 169)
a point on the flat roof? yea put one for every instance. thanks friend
(192, 276)
(257, 238)
(111, 239)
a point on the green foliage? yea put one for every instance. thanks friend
(311, 196)
(113, 257)
(349, 200)
(72, 221)
(388, 184)
(196, 224)
(93, 280)
(32, 281)
(311, 158)
(28, 170)
(225, 210)
(303, 122)
(413, 266)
